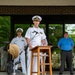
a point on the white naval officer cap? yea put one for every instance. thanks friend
(37, 18)
(19, 30)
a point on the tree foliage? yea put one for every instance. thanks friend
(4, 28)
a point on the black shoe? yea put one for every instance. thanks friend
(71, 74)
(60, 73)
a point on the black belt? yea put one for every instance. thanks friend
(66, 50)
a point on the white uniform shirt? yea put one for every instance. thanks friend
(20, 42)
(37, 33)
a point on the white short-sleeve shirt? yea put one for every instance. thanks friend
(20, 42)
(36, 35)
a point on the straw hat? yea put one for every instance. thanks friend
(14, 50)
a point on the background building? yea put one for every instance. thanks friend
(58, 17)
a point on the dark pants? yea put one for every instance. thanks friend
(66, 56)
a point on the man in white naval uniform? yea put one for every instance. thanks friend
(34, 37)
(21, 43)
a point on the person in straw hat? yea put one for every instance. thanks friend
(34, 37)
(21, 43)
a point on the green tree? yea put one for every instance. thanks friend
(4, 28)
(55, 33)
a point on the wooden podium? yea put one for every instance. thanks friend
(37, 50)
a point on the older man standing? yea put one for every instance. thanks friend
(34, 36)
(66, 44)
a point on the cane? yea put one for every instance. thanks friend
(26, 55)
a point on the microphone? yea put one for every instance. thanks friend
(35, 32)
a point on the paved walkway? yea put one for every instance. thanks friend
(54, 73)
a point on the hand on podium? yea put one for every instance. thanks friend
(30, 46)
(45, 45)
